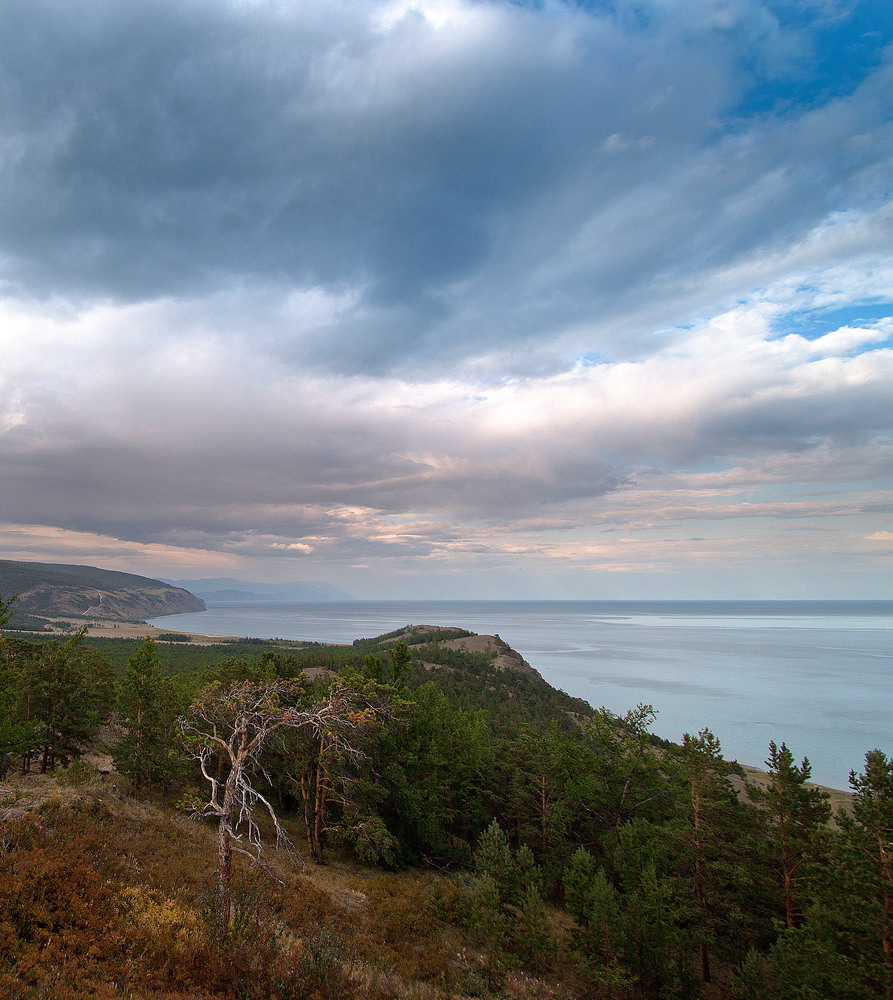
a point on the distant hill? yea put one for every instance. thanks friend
(224, 590)
(57, 590)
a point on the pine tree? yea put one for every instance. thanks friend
(505, 901)
(719, 851)
(596, 907)
(495, 859)
(400, 664)
(145, 709)
(66, 690)
(842, 948)
(873, 811)
(535, 943)
(542, 773)
(330, 783)
(654, 943)
(626, 779)
(796, 814)
(632, 933)
(433, 769)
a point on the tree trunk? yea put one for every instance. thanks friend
(544, 818)
(699, 881)
(788, 864)
(225, 849)
(315, 793)
(789, 914)
(705, 963)
(224, 877)
(320, 807)
(307, 796)
(310, 792)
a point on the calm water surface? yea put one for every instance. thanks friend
(818, 675)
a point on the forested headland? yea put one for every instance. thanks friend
(417, 815)
(51, 593)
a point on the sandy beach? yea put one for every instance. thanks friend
(838, 798)
(131, 630)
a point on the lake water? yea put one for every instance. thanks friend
(816, 674)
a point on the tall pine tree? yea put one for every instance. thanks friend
(66, 691)
(718, 850)
(873, 811)
(796, 814)
(146, 710)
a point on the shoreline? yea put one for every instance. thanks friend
(143, 630)
(125, 630)
(840, 797)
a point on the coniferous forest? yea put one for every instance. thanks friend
(400, 818)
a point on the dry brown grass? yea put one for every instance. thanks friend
(105, 896)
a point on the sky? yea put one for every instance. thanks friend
(451, 298)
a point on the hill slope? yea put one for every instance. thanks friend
(48, 590)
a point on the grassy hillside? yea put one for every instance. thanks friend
(107, 896)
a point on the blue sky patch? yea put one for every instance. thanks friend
(815, 323)
(834, 55)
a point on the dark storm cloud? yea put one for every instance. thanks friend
(516, 169)
(166, 147)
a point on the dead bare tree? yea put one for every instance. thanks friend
(233, 725)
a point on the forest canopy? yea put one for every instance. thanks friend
(554, 838)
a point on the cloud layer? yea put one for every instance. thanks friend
(449, 297)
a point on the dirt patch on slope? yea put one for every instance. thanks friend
(506, 657)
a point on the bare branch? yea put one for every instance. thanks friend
(235, 724)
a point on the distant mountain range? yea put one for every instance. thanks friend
(59, 590)
(225, 590)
